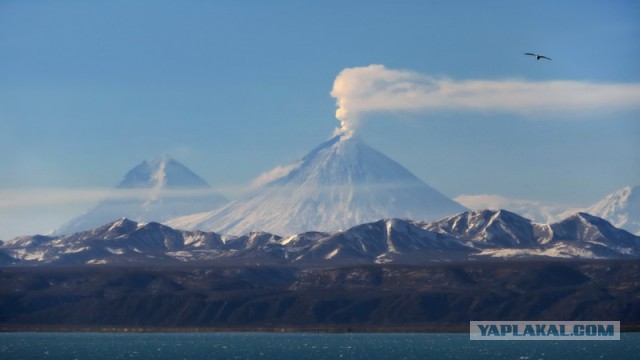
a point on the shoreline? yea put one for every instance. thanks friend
(224, 329)
(442, 329)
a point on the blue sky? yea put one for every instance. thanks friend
(234, 88)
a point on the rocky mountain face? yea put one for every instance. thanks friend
(502, 234)
(478, 235)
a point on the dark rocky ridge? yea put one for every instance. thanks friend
(367, 297)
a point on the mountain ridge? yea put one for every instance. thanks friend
(621, 208)
(469, 236)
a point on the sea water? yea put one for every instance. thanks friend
(283, 346)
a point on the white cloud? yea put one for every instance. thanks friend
(373, 88)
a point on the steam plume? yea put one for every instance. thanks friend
(375, 88)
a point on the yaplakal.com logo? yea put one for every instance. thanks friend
(544, 330)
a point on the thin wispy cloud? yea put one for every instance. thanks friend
(375, 88)
(35, 197)
(273, 174)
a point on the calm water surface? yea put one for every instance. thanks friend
(301, 346)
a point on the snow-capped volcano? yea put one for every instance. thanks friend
(341, 183)
(154, 190)
(622, 209)
(161, 172)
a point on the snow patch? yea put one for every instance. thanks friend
(74, 250)
(115, 251)
(97, 262)
(332, 254)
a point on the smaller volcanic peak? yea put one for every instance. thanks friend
(161, 172)
(621, 208)
(154, 190)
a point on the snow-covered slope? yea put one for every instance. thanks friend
(502, 234)
(597, 234)
(340, 184)
(121, 241)
(154, 190)
(385, 241)
(493, 229)
(481, 235)
(622, 209)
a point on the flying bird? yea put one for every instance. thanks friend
(538, 57)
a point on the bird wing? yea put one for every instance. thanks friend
(544, 57)
(530, 54)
